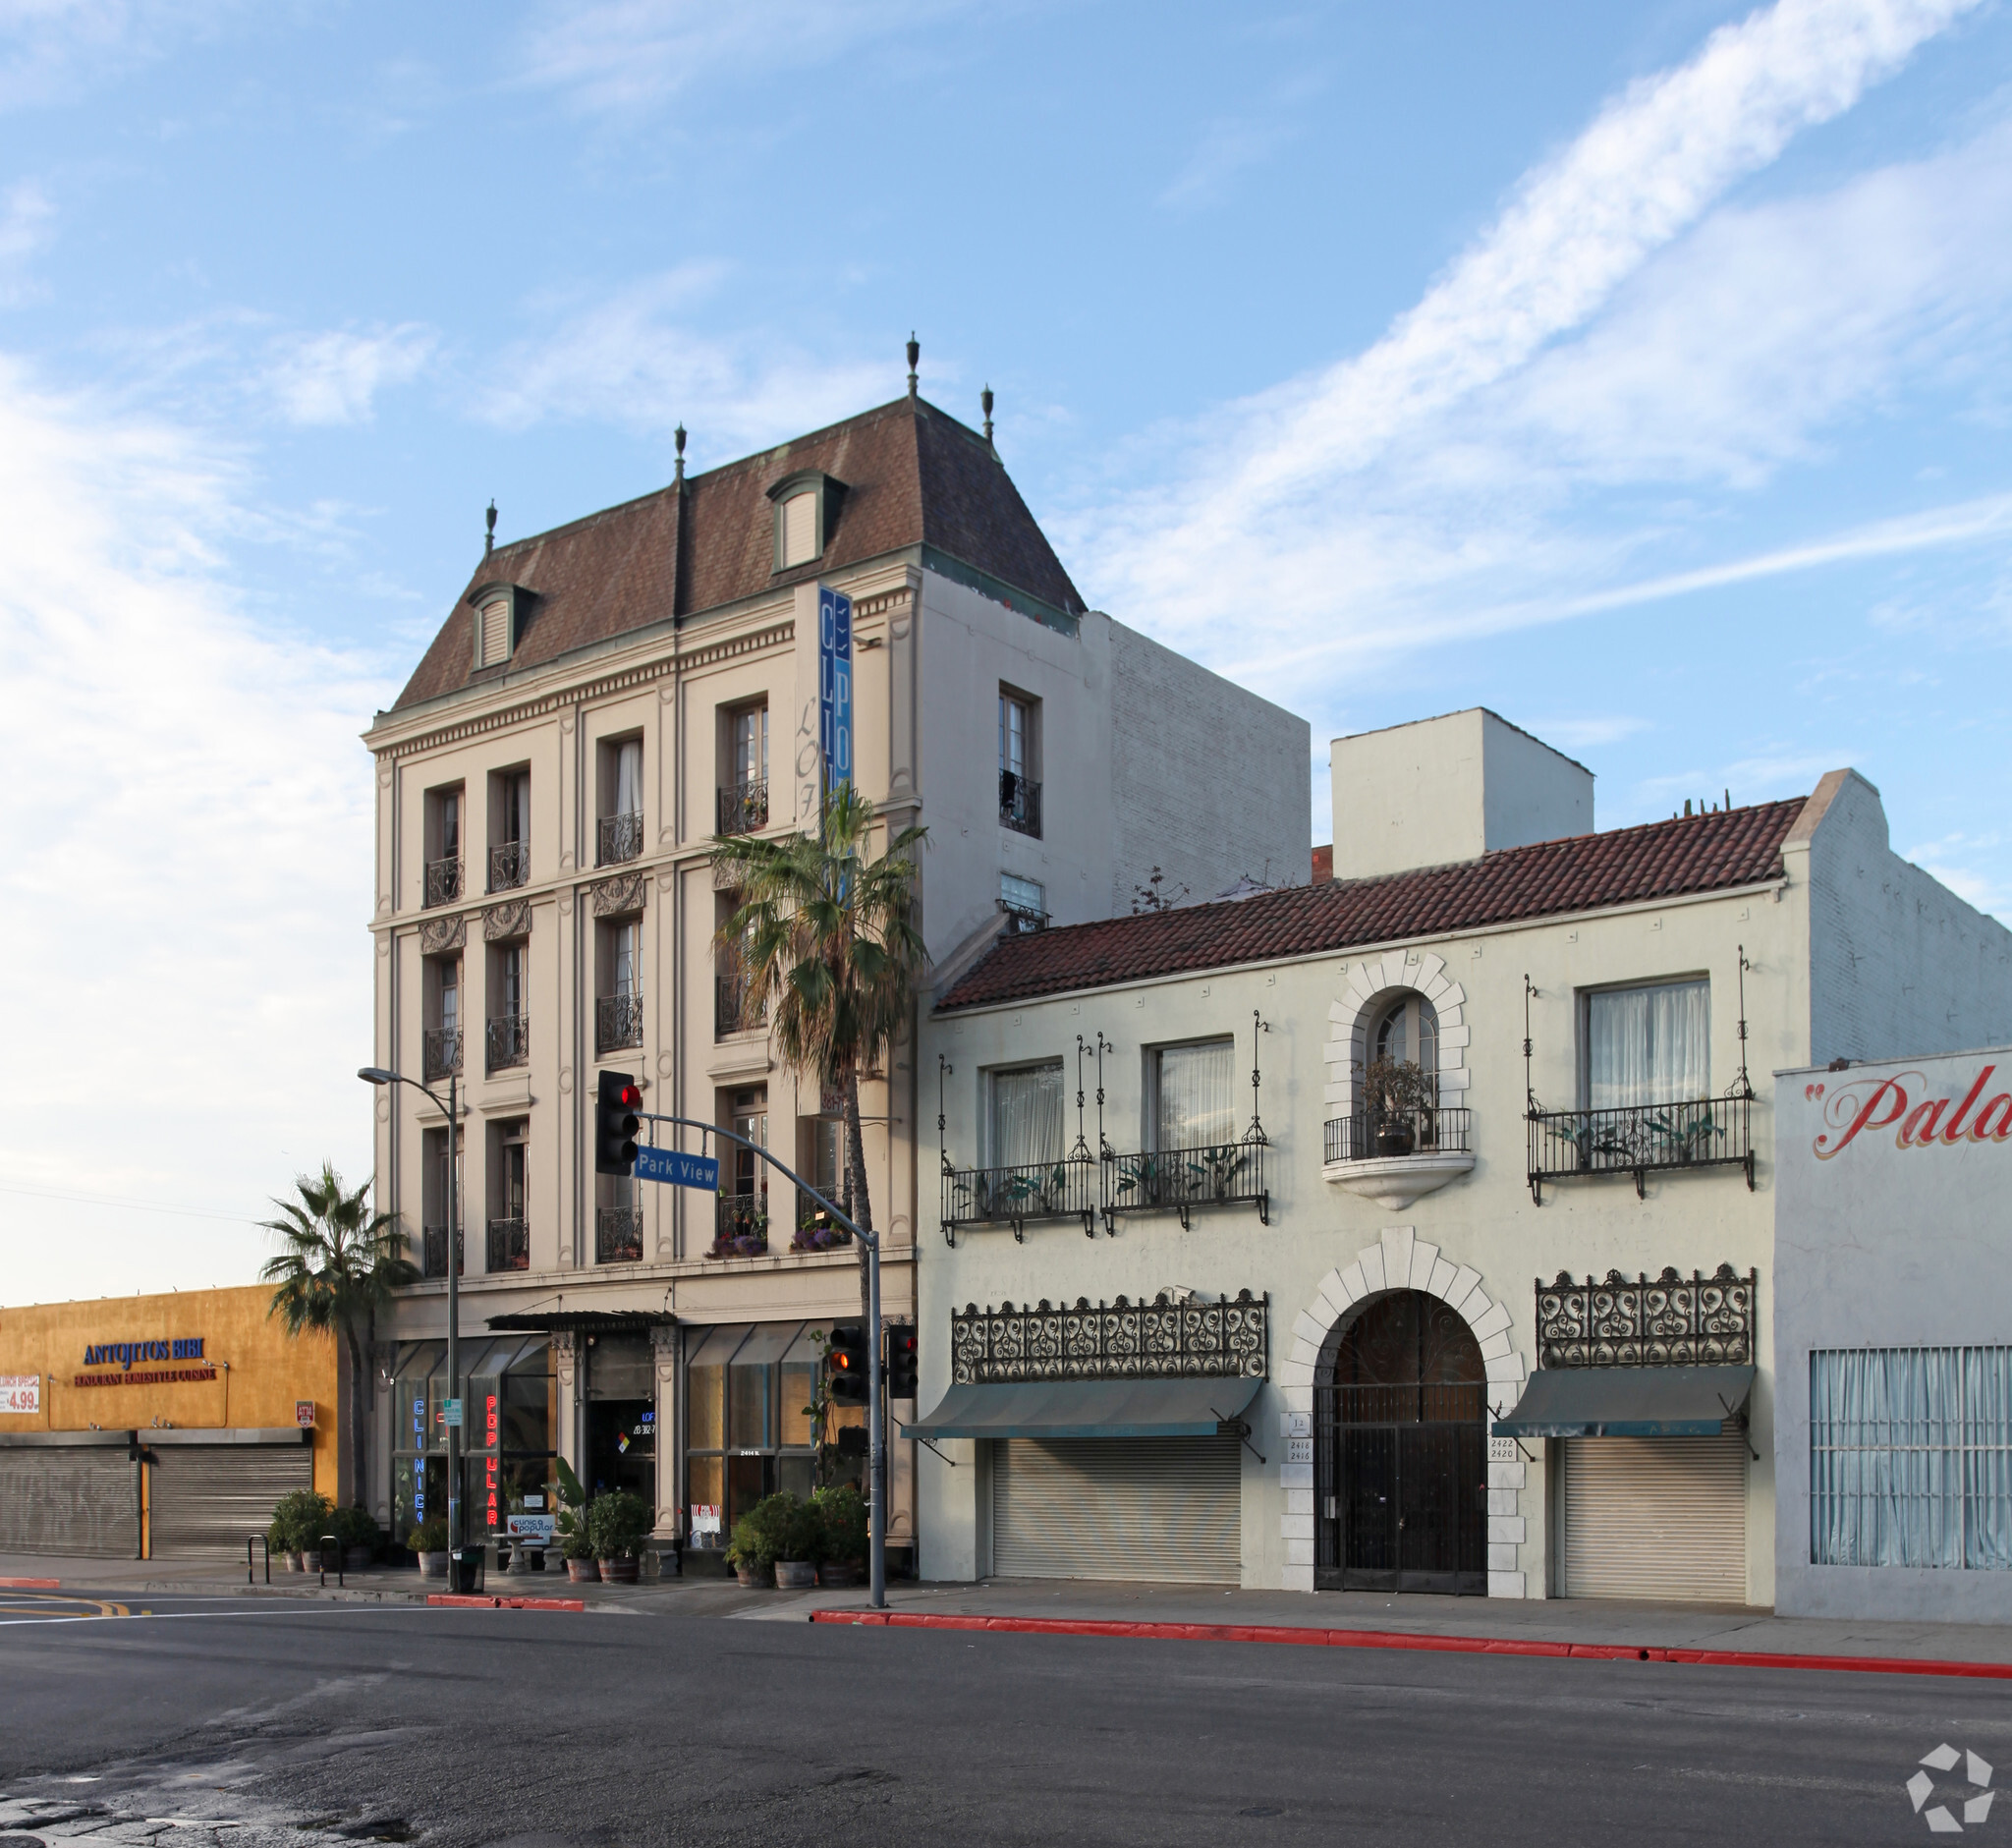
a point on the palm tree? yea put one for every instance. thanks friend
(337, 1267)
(826, 941)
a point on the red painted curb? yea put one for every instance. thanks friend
(1410, 1639)
(31, 1585)
(468, 1602)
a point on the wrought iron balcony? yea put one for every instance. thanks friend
(743, 809)
(442, 1050)
(509, 1244)
(433, 1257)
(1703, 1133)
(1384, 1134)
(509, 1041)
(740, 1225)
(508, 866)
(1669, 1321)
(1178, 1180)
(621, 837)
(1022, 920)
(618, 1235)
(1229, 1339)
(1019, 803)
(732, 1012)
(443, 881)
(1069, 1188)
(816, 1229)
(617, 1022)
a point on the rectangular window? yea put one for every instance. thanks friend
(441, 1027)
(1024, 901)
(1016, 724)
(1193, 1094)
(442, 872)
(1911, 1457)
(509, 830)
(751, 745)
(509, 1242)
(509, 1013)
(1647, 1046)
(1020, 788)
(621, 804)
(799, 530)
(1027, 1117)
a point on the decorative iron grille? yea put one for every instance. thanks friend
(621, 837)
(618, 1235)
(1042, 1189)
(433, 1257)
(509, 1244)
(816, 1230)
(1382, 1135)
(1178, 1180)
(1019, 803)
(1120, 1340)
(509, 1041)
(617, 1022)
(442, 1052)
(1670, 1322)
(743, 809)
(732, 1012)
(740, 1225)
(1705, 1133)
(443, 881)
(508, 866)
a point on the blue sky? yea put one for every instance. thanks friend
(1637, 371)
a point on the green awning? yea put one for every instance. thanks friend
(1628, 1402)
(1088, 1408)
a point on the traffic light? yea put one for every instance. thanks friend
(901, 1360)
(846, 1361)
(615, 1123)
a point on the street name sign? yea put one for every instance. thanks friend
(679, 1170)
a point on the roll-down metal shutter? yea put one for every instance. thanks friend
(205, 1500)
(1164, 1508)
(1656, 1517)
(84, 1502)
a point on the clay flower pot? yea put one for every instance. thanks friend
(620, 1571)
(583, 1571)
(748, 1576)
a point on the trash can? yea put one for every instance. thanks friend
(466, 1570)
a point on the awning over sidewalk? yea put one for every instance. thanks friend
(1088, 1408)
(1628, 1402)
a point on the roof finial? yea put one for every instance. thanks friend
(986, 405)
(678, 435)
(915, 352)
(489, 537)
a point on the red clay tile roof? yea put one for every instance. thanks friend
(1695, 854)
(913, 477)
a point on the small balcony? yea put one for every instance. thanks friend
(509, 1244)
(621, 837)
(732, 1010)
(443, 881)
(740, 1225)
(1179, 1180)
(1640, 1140)
(743, 809)
(617, 1022)
(618, 1235)
(433, 1253)
(509, 1042)
(1395, 1156)
(442, 1052)
(1019, 803)
(1009, 1197)
(1023, 920)
(508, 866)
(816, 1230)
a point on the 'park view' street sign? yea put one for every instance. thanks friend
(678, 1168)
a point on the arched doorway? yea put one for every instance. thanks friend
(1399, 1451)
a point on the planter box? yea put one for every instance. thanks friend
(794, 1575)
(620, 1571)
(839, 1574)
(748, 1576)
(583, 1571)
(433, 1565)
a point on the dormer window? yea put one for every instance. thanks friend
(495, 625)
(806, 509)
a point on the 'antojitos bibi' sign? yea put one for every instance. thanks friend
(1965, 1115)
(131, 1360)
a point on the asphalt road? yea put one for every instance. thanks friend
(208, 1724)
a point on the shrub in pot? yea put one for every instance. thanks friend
(299, 1521)
(779, 1528)
(841, 1512)
(358, 1532)
(576, 1544)
(430, 1540)
(1401, 1098)
(617, 1524)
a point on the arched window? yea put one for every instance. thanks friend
(1407, 1028)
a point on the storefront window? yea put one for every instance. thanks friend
(510, 1412)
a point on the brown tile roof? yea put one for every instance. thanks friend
(913, 475)
(1695, 854)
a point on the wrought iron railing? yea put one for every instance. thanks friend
(1023, 920)
(1071, 1187)
(433, 1253)
(740, 1225)
(1380, 1135)
(743, 807)
(732, 1012)
(1120, 1340)
(1703, 1132)
(442, 1050)
(508, 866)
(509, 1244)
(617, 1022)
(621, 837)
(816, 1230)
(1019, 803)
(1178, 1180)
(443, 880)
(618, 1235)
(1671, 1320)
(509, 1041)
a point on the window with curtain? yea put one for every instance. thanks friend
(623, 963)
(1194, 1095)
(751, 745)
(1647, 1046)
(629, 776)
(447, 995)
(1911, 1457)
(1027, 1116)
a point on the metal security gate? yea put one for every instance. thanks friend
(1165, 1508)
(204, 1500)
(1655, 1517)
(82, 1501)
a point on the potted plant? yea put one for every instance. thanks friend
(617, 1524)
(430, 1540)
(760, 1538)
(358, 1532)
(799, 1541)
(1400, 1098)
(842, 1542)
(576, 1544)
(299, 1521)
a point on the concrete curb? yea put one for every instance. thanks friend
(31, 1585)
(467, 1601)
(1413, 1640)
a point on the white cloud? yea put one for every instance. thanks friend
(334, 377)
(50, 49)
